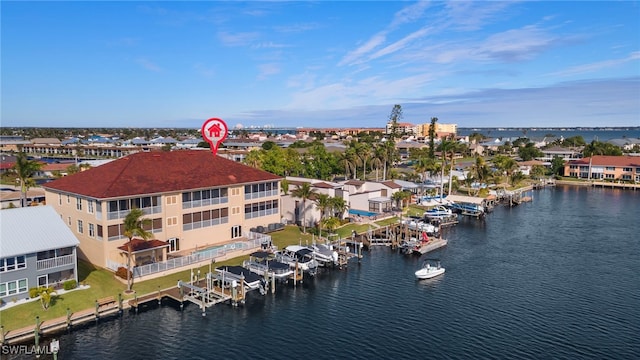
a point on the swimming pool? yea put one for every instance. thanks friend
(219, 249)
(362, 212)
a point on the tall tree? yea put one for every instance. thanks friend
(432, 137)
(24, 170)
(338, 206)
(323, 202)
(394, 118)
(134, 224)
(557, 165)
(448, 148)
(305, 193)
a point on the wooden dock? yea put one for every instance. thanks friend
(431, 246)
(104, 308)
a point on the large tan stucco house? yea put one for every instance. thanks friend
(195, 200)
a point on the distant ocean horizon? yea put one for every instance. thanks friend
(588, 133)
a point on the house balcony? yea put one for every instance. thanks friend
(55, 262)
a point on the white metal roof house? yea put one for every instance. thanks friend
(37, 248)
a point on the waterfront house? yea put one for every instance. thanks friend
(566, 154)
(294, 209)
(371, 196)
(38, 249)
(195, 201)
(601, 167)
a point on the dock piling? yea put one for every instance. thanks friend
(68, 318)
(36, 334)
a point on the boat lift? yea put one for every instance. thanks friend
(229, 283)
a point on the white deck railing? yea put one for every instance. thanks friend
(55, 262)
(254, 241)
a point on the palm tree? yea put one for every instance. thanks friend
(304, 192)
(254, 158)
(338, 206)
(377, 159)
(345, 160)
(134, 227)
(330, 223)
(46, 294)
(364, 152)
(323, 202)
(24, 170)
(446, 147)
(284, 186)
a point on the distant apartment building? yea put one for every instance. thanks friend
(338, 132)
(441, 130)
(566, 154)
(37, 250)
(401, 128)
(194, 200)
(600, 167)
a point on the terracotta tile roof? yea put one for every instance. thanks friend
(139, 245)
(354, 182)
(56, 167)
(391, 184)
(604, 160)
(158, 172)
(323, 185)
(531, 163)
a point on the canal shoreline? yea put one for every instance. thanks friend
(52, 327)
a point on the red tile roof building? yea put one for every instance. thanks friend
(601, 167)
(193, 199)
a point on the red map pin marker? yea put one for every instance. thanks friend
(214, 131)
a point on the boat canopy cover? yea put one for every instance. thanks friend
(276, 265)
(249, 277)
(465, 199)
(304, 251)
(261, 254)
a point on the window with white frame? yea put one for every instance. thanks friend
(236, 231)
(90, 208)
(79, 203)
(13, 287)
(80, 227)
(13, 263)
(92, 231)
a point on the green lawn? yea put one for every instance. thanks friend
(102, 283)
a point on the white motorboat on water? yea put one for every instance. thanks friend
(438, 212)
(298, 256)
(430, 268)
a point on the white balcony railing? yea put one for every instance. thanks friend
(55, 262)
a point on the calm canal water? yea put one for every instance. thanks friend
(556, 278)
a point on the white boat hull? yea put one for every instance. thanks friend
(429, 272)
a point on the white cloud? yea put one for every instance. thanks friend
(269, 45)
(596, 66)
(148, 64)
(354, 56)
(400, 44)
(202, 69)
(267, 70)
(237, 39)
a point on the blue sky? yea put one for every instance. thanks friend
(320, 64)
